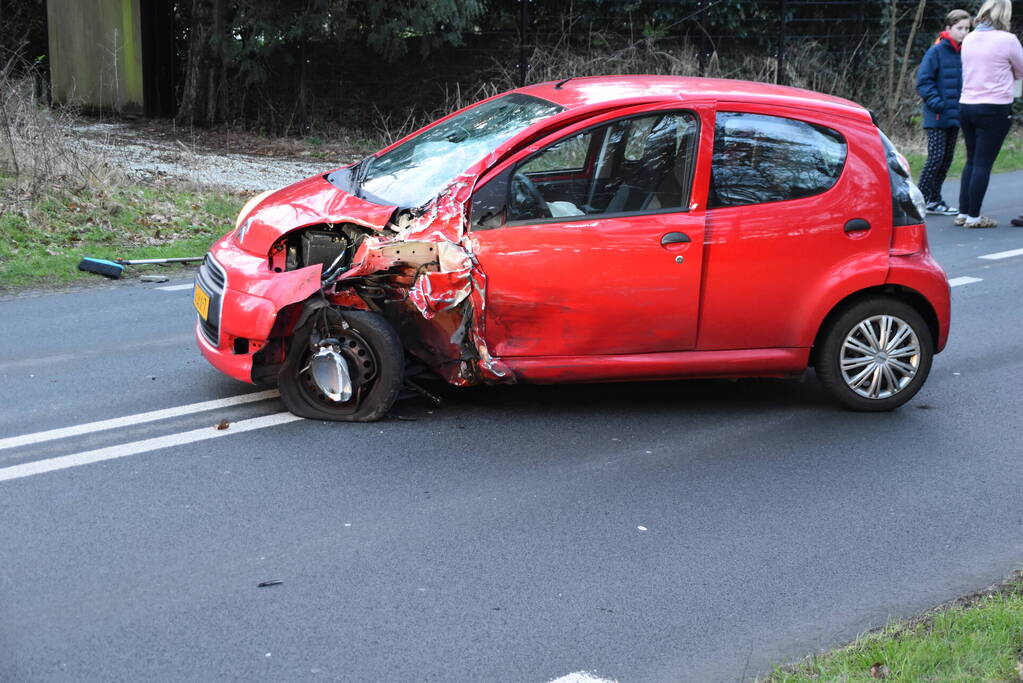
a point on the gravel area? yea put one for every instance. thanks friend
(140, 154)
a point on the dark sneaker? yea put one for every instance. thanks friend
(1017, 221)
(941, 209)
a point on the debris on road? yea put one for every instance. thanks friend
(114, 269)
(154, 278)
(101, 267)
(274, 582)
(223, 424)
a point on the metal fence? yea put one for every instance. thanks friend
(853, 48)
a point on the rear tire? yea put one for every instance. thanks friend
(374, 354)
(875, 355)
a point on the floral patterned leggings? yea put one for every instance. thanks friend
(941, 145)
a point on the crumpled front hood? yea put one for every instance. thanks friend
(307, 202)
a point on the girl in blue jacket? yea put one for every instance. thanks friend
(939, 80)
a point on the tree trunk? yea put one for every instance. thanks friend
(203, 93)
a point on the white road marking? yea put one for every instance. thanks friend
(965, 280)
(134, 448)
(89, 427)
(1002, 254)
(582, 677)
(175, 288)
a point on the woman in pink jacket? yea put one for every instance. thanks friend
(992, 60)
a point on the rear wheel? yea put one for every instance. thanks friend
(345, 366)
(875, 355)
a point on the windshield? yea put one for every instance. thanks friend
(415, 172)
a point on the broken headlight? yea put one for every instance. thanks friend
(326, 245)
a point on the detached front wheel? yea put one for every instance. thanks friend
(345, 366)
(876, 355)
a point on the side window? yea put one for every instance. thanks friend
(643, 163)
(759, 158)
(637, 135)
(567, 155)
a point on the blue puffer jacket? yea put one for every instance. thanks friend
(939, 82)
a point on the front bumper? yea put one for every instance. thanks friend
(245, 298)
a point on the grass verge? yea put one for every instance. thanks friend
(1010, 158)
(42, 238)
(977, 638)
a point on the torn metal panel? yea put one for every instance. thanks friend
(447, 276)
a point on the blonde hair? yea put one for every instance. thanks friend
(955, 16)
(997, 13)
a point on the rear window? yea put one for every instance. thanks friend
(760, 159)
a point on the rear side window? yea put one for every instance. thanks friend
(760, 159)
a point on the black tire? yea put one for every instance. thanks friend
(368, 341)
(877, 375)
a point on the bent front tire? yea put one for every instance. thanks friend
(875, 355)
(372, 358)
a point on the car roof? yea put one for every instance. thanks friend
(590, 91)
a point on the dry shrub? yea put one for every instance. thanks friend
(808, 64)
(600, 57)
(40, 150)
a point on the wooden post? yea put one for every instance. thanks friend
(780, 74)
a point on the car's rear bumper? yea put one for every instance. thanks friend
(922, 274)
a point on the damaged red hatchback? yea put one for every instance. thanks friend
(594, 229)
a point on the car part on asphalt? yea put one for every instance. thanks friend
(102, 267)
(114, 269)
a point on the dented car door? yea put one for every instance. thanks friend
(593, 244)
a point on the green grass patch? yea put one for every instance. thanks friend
(43, 238)
(981, 640)
(1010, 158)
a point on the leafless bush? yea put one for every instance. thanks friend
(601, 57)
(39, 148)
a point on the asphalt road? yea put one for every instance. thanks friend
(638, 532)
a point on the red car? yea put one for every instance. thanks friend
(592, 229)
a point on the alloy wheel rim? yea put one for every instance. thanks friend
(880, 357)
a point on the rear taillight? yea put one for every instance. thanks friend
(908, 205)
(903, 163)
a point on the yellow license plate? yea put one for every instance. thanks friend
(202, 302)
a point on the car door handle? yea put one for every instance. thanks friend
(857, 225)
(674, 238)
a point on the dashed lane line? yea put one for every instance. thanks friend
(965, 280)
(134, 448)
(128, 420)
(175, 288)
(1002, 254)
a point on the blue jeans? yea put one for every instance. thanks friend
(984, 128)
